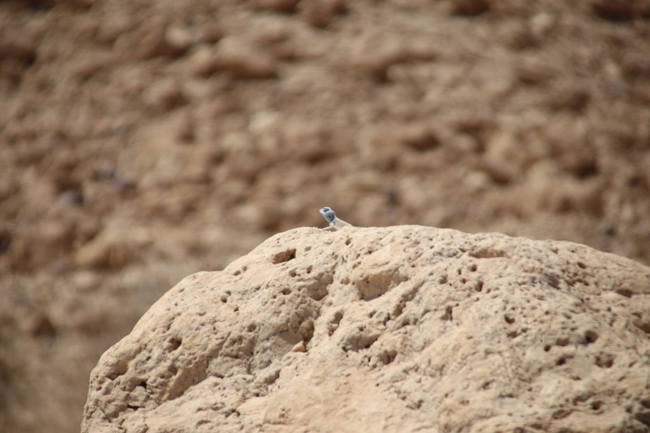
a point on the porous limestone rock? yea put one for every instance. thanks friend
(393, 329)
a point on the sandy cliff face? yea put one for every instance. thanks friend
(396, 329)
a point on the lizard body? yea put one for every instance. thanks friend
(335, 222)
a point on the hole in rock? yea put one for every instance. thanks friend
(605, 360)
(284, 256)
(318, 293)
(562, 341)
(591, 336)
(334, 322)
(561, 413)
(388, 356)
(624, 291)
(367, 341)
(582, 397)
(486, 253)
(174, 343)
(553, 281)
(378, 283)
(359, 340)
(447, 315)
(307, 331)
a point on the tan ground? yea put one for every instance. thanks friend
(142, 141)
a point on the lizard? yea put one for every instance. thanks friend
(335, 222)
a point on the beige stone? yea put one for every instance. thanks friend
(394, 329)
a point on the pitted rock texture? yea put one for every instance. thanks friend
(394, 329)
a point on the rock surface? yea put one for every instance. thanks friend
(395, 329)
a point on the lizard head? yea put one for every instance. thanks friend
(328, 214)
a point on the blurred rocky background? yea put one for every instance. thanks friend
(141, 141)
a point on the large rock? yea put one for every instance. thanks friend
(392, 329)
